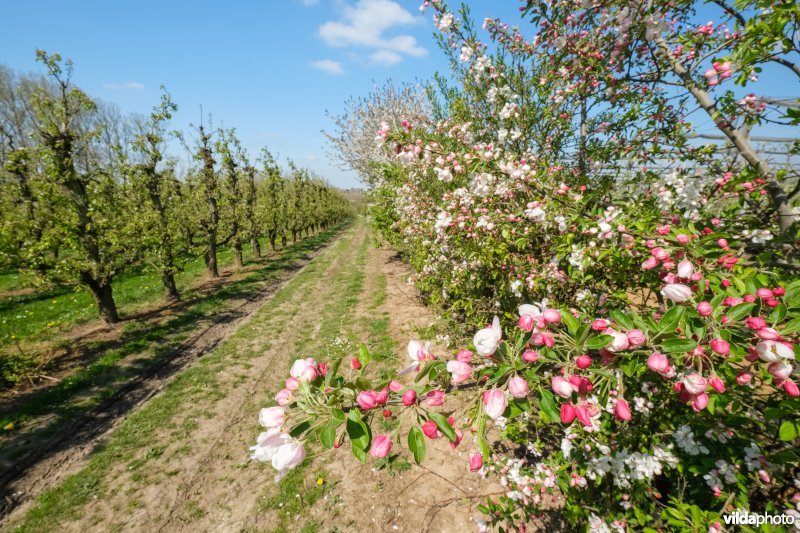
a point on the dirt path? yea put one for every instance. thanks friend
(181, 461)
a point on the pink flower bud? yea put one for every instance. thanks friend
(658, 362)
(284, 397)
(676, 292)
(699, 402)
(780, 370)
(695, 383)
(659, 253)
(583, 361)
(409, 397)
(704, 309)
(567, 413)
(380, 446)
(475, 461)
(395, 386)
(744, 378)
(435, 398)
(717, 384)
(518, 387)
(650, 263)
(636, 338)
(465, 356)
(355, 363)
(755, 322)
(495, 403)
(682, 239)
(599, 325)
(367, 399)
(768, 334)
(530, 356)
(720, 346)
(791, 388)
(685, 269)
(622, 410)
(763, 475)
(525, 323)
(382, 397)
(722, 243)
(561, 387)
(552, 316)
(583, 415)
(430, 429)
(292, 384)
(764, 294)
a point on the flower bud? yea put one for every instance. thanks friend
(409, 397)
(704, 309)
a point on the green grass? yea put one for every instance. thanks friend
(42, 314)
(134, 441)
(103, 375)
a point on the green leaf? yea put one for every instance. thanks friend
(300, 428)
(363, 355)
(444, 426)
(327, 435)
(622, 319)
(599, 341)
(547, 403)
(359, 435)
(678, 345)
(778, 314)
(416, 443)
(789, 430)
(338, 414)
(669, 322)
(569, 321)
(740, 311)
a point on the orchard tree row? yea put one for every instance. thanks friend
(87, 193)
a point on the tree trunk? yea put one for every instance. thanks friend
(283, 240)
(104, 297)
(211, 259)
(256, 248)
(294, 235)
(237, 255)
(272, 236)
(168, 280)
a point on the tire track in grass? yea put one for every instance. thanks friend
(134, 439)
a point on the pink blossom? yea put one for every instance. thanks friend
(465, 356)
(695, 383)
(619, 341)
(780, 369)
(720, 346)
(284, 397)
(552, 316)
(567, 413)
(561, 387)
(622, 410)
(676, 292)
(395, 386)
(475, 461)
(743, 378)
(717, 384)
(304, 369)
(791, 388)
(435, 398)
(755, 322)
(292, 384)
(382, 397)
(409, 397)
(583, 361)
(768, 334)
(599, 325)
(495, 403)
(518, 387)
(636, 338)
(367, 399)
(530, 356)
(650, 263)
(460, 371)
(704, 309)
(430, 429)
(699, 401)
(380, 446)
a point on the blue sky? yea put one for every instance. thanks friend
(269, 68)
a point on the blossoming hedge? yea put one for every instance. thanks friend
(640, 362)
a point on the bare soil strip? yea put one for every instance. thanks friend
(51, 460)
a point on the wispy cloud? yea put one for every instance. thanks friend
(366, 25)
(309, 3)
(329, 66)
(126, 86)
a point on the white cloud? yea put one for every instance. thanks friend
(365, 25)
(331, 67)
(128, 85)
(385, 58)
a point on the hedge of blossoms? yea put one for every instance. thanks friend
(652, 383)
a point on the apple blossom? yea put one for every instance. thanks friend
(494, 402)
(287, 456)
(381, 445)
(676, 292)
(695, 383)
(518, 387)
(621, 410)
(486, 340)
(304, 369)
(475, 461)
(772, 351)
(567, 413)
(272, 417)
(367, 399)
(561, 387)
(435, 398)
(409, 397)
(284, 397)
(460, 371)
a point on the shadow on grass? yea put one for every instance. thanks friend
(84, 405)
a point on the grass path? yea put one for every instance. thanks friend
(181, 461)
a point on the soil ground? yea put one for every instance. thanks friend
(180, 461)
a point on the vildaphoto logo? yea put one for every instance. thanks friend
(746, 518)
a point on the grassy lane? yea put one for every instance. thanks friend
(174, 462)
(49, 412)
